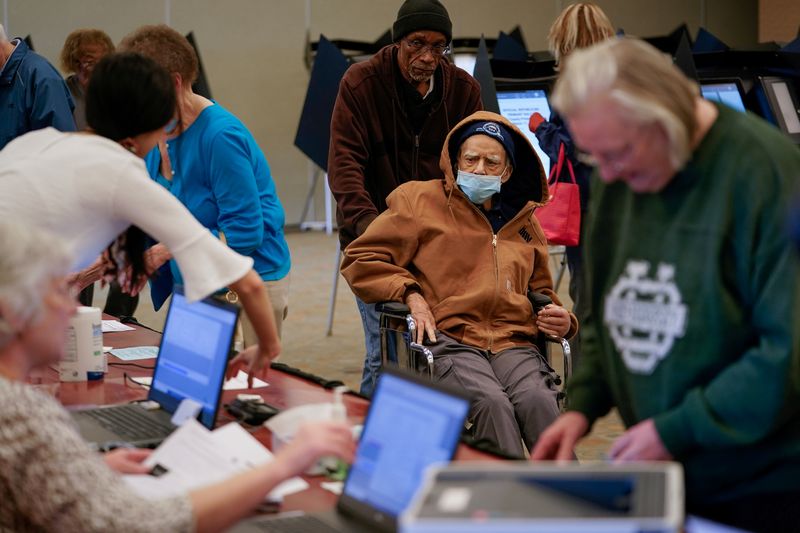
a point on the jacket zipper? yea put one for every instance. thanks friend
(496, 272)
(496, 285)
(415, 156)
(496, 265)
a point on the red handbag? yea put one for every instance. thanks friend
(561, 217)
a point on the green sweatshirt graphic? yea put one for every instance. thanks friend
(695, 315)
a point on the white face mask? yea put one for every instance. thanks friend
(477, 187)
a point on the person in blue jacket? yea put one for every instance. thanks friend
(578, 26)
(33, 94)
(212, 164)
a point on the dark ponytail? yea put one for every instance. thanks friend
(128, 95)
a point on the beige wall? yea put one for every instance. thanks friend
(253, 49)
(778, 20)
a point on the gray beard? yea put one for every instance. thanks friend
(420, 79)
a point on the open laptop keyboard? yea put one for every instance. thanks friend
(130, 422)
(294, 524)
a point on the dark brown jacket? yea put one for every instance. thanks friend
(373, 147)
(434, 241)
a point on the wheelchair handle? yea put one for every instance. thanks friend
(411, 323)
(426, 352)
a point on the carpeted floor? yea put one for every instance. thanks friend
(306, 344)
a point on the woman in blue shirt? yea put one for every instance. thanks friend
(212, 164)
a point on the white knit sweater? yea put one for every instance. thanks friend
(50, 480)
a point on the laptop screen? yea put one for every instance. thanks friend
(518, 106)
(724, 93)
(193, 355)
(411, 425)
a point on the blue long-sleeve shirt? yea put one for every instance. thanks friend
(33, 96)
(222, 177)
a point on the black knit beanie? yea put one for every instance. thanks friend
(419, 15)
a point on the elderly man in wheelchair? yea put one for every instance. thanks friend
(464, 253)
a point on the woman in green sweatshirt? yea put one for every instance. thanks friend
(694, 328)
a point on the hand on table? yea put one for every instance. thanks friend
(558, 441)
(640, 443)
(127, 460)
(421, 313)
(254, 361)
(315, 440)
(553, 320)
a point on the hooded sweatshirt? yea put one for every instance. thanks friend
(373, 145)
(433, 240)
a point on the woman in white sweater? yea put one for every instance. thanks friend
(49, 478)
(92, 191)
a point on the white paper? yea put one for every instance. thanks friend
(107, 349)
(237, 383)
(195, 457)
(335, 487)
(110, 326)
(142, 380)
(188, 409)
(135, 353)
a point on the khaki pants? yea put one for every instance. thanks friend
(278, 292)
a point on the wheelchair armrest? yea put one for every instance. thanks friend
(567, 351)
(538, 301)
(398, 309)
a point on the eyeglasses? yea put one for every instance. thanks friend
(419, 48)
(619, 158)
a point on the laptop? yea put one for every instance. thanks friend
(191, 364)
(509, 497)
(411, 425)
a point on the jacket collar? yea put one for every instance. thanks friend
(528, 182)
(13, 63)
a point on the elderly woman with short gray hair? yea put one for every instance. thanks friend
(50, 480)
(694, 328)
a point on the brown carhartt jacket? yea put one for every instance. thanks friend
(433, 240)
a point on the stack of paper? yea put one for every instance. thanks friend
(194, 457)
(110, 326)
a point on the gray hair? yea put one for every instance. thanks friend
(642, 80)
(30, 259)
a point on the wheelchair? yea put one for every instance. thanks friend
(397, 329)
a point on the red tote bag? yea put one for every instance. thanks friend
(561, 217)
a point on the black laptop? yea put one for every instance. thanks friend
(411, 425)
(191, 364)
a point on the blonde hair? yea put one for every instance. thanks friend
(578, 26)
(74, 43)
(641, 80)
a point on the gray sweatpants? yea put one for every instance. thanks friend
(514, 397)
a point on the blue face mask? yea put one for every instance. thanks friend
(477, 187)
